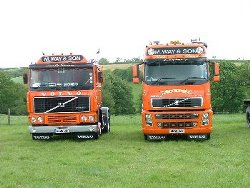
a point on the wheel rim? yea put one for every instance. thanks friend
(108, 124)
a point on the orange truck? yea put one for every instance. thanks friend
(65, 98)
(176, 96)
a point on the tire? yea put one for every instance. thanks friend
(99, 133)
(105, 120)
(248, 116)
(106, 128)
(145, 137)
(96, 136)
(208, 136)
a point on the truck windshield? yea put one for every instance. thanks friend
(61, 78)
(176, 72)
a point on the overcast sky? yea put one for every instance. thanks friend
(119, 28)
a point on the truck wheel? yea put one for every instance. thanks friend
(105, 120)
(145, 137)
(208, 136)
(97, 135)
(37, 136)
(106, 128)
(248, 116)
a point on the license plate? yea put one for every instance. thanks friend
(176, 131)
(62, 130)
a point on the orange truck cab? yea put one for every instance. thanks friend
(64, 98)
(176, 96)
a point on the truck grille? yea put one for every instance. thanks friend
(61, 104)
(178, 124)
(177, 116)
(62, 119)
(177, 120)
(177, 102)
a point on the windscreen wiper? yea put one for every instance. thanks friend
(163, 78)
(191, 77)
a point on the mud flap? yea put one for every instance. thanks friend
(85, 136)
(154, 137)
(198, 137)
(41, 136)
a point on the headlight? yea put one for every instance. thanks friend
(33, 119)
(84, 118)
(40, 119)
(148, 119)
(205, 119)
(91, 118)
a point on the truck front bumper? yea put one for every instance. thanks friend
(176, 122)
(64, 129)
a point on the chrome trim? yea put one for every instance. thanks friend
(179, 107)
(72, 129)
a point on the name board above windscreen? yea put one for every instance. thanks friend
(61, 58)
(175, 50)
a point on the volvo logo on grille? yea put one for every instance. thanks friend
(61, 105)
(176, 102)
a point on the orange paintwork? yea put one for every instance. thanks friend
(150, 92)
(175, 115)
(67, 118)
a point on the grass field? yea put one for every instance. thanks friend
(113, 66)
(123, 159)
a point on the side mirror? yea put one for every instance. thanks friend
(216, 78)
(25, 78)
(216, 69)
(216, 72)
(135, 70)
(100, 77)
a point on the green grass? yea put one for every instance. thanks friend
(123, 159)
(113, 66)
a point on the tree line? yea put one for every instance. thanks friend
(227, 95)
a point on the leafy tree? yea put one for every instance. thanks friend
(122, 95)
(103, 61)
(134, 60)
(227, 95)
(244, 70)
(20, 107)
(125, 74)
(107, 98)
(12, 95)
(117, 94)
(118, 60)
